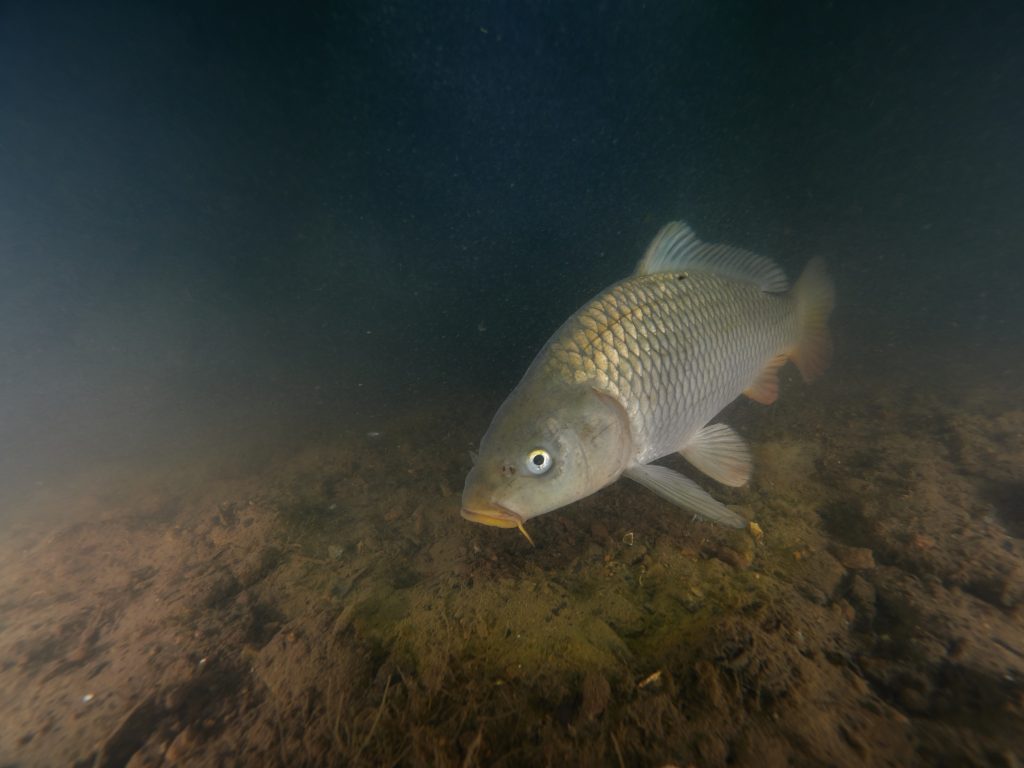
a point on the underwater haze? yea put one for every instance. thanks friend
(267, 273)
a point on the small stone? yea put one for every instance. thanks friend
(756, 531)
(922, 541)
(801, 553)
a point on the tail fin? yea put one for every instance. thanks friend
(815, 297)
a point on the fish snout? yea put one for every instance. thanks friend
(480, 506)
(496, 515)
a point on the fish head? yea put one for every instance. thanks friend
(543, 450)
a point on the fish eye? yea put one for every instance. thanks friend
(539, 461)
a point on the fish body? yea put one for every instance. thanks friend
(638, 373)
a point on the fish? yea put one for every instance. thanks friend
(641, 371)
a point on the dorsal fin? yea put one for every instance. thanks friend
(676, 248)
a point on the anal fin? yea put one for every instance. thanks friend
(721, 454)
(765, 388)
(683, 492)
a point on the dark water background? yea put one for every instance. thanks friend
(224, 221)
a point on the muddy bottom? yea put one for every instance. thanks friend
(334, 609)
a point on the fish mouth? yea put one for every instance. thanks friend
(498, 516)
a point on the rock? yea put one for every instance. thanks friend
(255, 566)
(823, 575)
(862, 593)
(184, 743)
(712, 749)
(913, 700)
(739, 560)
(655, 572)
(847, 611)
(709, 683)
(815, 594)
(634, 555)
(595, 695)
(854, 558)
(221, 585)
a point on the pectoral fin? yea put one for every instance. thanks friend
(683, 492)
(721, 454)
